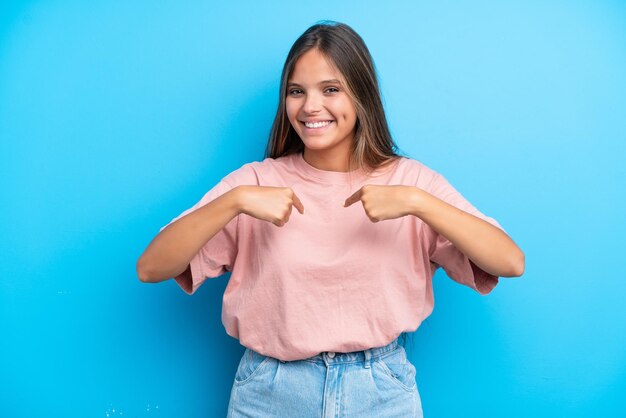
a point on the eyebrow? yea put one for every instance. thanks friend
(332, 81)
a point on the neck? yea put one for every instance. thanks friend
(327, 161)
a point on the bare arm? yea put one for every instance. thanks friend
(487, 246)
(170, 252)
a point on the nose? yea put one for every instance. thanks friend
(312, 103)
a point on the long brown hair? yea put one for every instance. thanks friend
(373, 145)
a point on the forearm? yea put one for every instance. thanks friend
(172, 249)
(487, 246)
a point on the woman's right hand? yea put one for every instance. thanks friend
(268, 203)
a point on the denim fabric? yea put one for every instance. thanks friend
(378, 382)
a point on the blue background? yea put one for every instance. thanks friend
(115, 116)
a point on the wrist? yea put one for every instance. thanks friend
(415, 199)
(236, 201)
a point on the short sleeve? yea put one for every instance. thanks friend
(218, 254)
(444, 254)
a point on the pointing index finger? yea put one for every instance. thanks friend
(298, 204)
(356, 196)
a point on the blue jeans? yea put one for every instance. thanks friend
(378, 382)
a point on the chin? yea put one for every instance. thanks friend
(314, 145)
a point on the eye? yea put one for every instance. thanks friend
(335, 89)
(294, 91)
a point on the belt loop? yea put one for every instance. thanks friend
(368, 355)
(326, 362)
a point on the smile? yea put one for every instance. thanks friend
(317, 125)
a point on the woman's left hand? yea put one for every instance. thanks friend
(384, 202)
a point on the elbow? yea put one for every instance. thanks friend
(518, 265)
(148, 274)
(142, 272)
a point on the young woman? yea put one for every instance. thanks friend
(320, 295)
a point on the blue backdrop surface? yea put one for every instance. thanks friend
(115, 116)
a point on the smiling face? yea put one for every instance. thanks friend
(321, 112)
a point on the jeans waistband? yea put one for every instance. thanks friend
(330, 357)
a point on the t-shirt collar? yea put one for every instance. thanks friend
(333, 177)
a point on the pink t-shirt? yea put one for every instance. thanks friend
(329, 279)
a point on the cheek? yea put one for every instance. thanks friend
(291, 111)
(349, 112)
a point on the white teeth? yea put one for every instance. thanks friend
(317, 124)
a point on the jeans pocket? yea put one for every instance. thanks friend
(250, 365)
(398, 369)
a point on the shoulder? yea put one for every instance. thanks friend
(252, 172)
(416, 172)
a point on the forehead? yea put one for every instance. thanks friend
(313, 66)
